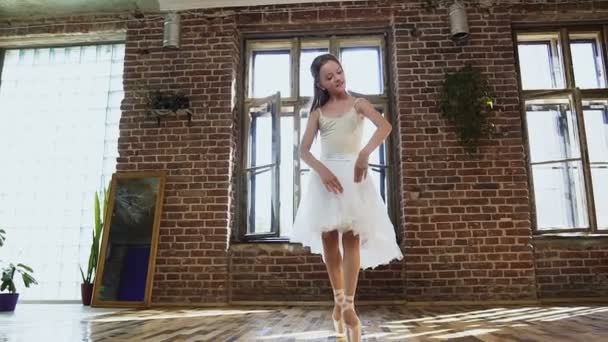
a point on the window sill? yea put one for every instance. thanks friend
(261, 241)
(571, 239)
(269, 245)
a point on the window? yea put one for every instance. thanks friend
(278, 91)
(563, 79)
(57, 150)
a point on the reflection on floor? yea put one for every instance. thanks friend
(63, 322)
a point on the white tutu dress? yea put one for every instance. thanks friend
(358, 208)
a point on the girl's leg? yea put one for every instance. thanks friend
(333, 263)
(351, 265)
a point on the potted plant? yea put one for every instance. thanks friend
(86, 288)
(164, 103)
(466, 100)
(8, 301)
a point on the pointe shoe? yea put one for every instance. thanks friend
(353, 332)
(339, 323)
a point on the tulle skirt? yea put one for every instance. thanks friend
(358, 208)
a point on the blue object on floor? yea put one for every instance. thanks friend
(134, 273)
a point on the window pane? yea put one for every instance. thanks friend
(363, 69)
(260, 137)
(380, 179)
(261, 171)
(259, 210)
(587, 63)
(596, 127)
(552, 131)
(271, 73)
(287, 165)
(559, 195)
(540, 63)
(306, 81)
(599, 177)
(70, 132)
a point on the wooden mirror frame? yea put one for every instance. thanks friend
(95, 302)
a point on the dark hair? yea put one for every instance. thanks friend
(320, 95)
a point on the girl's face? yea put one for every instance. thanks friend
(331, 77)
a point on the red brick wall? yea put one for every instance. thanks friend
(288, 272)
(192, 264)
(467, 236)
(569, 270)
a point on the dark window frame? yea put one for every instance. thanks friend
(384, 101)
(577, 97)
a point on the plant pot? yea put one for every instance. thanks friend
(8, 301)
(161, 112)
(86, 293)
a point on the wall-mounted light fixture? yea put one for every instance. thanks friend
(171, 31)
(459, 27)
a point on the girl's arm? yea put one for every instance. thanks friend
(332, 184)
(312, 128)
(383, 127)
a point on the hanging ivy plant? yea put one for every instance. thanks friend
(466, 100)
(163, 103)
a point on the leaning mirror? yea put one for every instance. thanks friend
(130, 237)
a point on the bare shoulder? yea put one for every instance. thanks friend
(314, 116)
(315, 113)
(362, 105)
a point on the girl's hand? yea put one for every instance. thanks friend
(361, 166)
(331, 182)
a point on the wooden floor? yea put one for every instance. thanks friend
(55, 322)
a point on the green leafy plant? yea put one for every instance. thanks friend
(8, 273)
(466, 99)
(97, 231)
